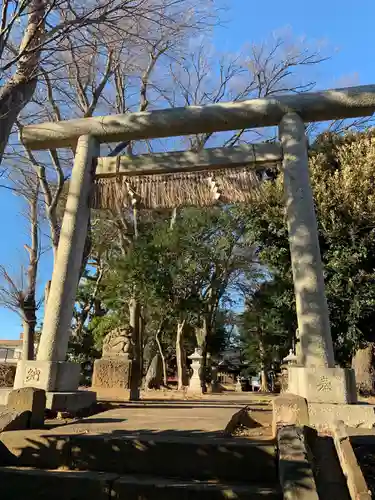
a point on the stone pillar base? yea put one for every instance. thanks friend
(57, 376)
(322, 385)
(195, 386)
(112, 373)
(70, 401)
(325, 416)
(289, 409)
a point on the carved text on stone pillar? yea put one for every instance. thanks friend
(33, 375)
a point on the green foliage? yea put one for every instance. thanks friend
(263, 326)
(172, 270)
(342, 178)
(187, 270)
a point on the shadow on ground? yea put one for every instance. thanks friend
(167, 464)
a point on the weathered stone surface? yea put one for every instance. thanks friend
(352, 471)
(12, 420)
(322, 385)
(198, 457)
(329, 478)
(62, 295)
(154, 375)
(296, 476)
(289, 409)
(70, 401)
(112, 372)
(18, 483)
(118, 342)
(7, 374)
(35, 448)
(51, 375)
(4, 394)
(311, 303)
(29, 399)
(195, 383)
(127, 487)
(320, 106)
(324, 416)
(241, 418)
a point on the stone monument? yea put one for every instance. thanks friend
(114, 368)
(154, 375)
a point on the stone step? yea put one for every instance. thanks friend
(233, 459)
(20, 483)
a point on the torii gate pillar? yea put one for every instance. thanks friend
(51, 372)
(316, 378)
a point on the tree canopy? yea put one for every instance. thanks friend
(341, 170)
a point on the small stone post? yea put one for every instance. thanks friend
(317, 380)
(195, 385)
(238, 384)
(312, 310)
(215, 386)
(50, 371)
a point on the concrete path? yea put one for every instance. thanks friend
(208, 417)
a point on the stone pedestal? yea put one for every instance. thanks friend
(322, 385)
(51, 375)
(195, 385)
(112, 373)
(32, 400)
(71, 402)
(289, 409)
(60, 380)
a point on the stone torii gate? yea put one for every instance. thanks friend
(317, 379)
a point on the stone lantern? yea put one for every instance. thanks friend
(195, 381)
(238, 384)
(291, 358)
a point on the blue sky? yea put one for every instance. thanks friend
(345, 28)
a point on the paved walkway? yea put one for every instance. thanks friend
(209, 417)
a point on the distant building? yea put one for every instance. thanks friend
(230, 364)
(11, 350)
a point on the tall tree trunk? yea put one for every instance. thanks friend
(160, 349)
(28, 339)
(29, 302)
(182, 377)
(19, 89)
(362, 365)
(263, 372)
(141, 343)
(136, 372)
(202, 335)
